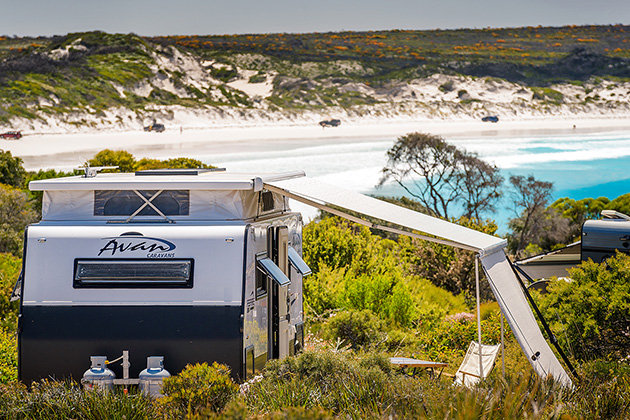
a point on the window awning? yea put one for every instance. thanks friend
(272, 270)
(298, 263)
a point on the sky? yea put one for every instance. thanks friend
(217, 17)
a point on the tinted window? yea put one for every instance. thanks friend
(133, 273)
(126, 203)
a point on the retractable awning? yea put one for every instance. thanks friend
(497, 267)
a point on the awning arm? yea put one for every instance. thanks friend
(552, 337)
(363, 222)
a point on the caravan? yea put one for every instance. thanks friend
(190, 265)
(195, 265)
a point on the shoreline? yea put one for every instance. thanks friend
(66, 151)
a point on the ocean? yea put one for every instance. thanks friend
(578, 165)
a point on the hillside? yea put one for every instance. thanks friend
(98, 80)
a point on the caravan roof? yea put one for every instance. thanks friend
(181, 194)
(195, 179)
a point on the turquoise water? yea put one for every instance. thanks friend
(580, 166)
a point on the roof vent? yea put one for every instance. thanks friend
(184, 171)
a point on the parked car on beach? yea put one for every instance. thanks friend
(330, 123)
(13, 135)
(158, 128)
(490, 118)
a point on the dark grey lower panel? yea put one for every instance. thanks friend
(58, 341)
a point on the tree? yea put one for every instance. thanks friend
(15, 214)
(530, 198)
(11, 170)
(121, 158)
(440, 175)
(126, 162)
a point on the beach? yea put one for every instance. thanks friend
(69, 150)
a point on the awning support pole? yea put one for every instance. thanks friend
(502, 348)
(478, 316)
(517, 270)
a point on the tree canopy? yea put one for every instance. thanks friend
(440, 175)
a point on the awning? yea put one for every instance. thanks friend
(298, 263)
(272, 270)
(503, 281)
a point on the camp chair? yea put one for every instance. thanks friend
(468, 373)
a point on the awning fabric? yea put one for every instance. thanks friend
(498, 270)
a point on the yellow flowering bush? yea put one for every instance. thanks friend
(8, 356)
(197, 388)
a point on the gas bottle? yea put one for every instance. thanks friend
(98, 376)
(151, 378)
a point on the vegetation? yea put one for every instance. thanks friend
(440, 175)
(370, 297)
(92, 72)
(197, 388)
(590, 313)
(127, 163)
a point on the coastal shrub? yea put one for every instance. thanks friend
(591, 311)
(107, 157)
(357, 386)
(11, 170)
(323, 290)
(10, 267)
(385, 295)
(447, 267)
(356, 328)
(364, 386)
(448, 340)
(198, 387)
(126, 162)
(8, 355)
(258, 78)
(603, 391)
(15, 214)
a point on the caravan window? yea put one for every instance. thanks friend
(125, 203)
(133, 273)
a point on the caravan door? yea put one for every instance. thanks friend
(279, 296)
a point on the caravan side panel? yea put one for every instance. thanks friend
(69, 315)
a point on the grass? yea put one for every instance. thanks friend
(326, 384)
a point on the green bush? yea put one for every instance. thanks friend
(11, 170)
(8, 356)
(15, 214)
(592, 310)
(356, 328)
(10, 267)
(126, 162)
(198, 387)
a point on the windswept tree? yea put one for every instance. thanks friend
(440, 175)
(533, 221)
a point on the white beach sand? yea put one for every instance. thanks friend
(67, 151)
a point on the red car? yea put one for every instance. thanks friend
(16, 135)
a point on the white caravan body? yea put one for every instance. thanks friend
(192, 265)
